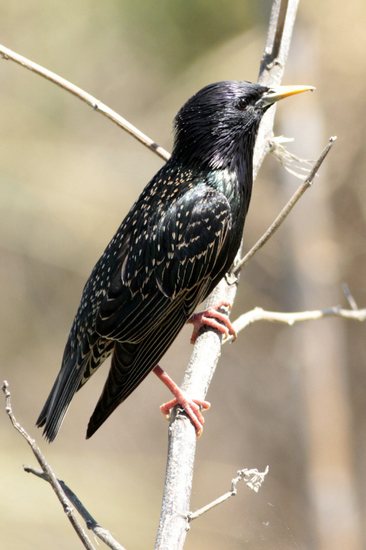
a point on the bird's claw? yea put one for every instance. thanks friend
(191, 406)
(213, 318)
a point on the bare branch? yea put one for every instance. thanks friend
(272, 67)
(50, 476)
(182, 439)
(253, 479)
(287, 209)
(91, 523)
(259, 314)
(87, 98)
(66, 496)
(350, 298)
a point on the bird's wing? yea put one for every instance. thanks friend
(131, 363)
(176, 256)
(188, 253)
(157, 284)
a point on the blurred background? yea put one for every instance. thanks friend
(290, 397)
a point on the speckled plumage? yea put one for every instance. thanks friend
(176, 243)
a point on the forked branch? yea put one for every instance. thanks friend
(67, 498)
(66, 504)
(259, 314)
(287, 208)
(253, 480)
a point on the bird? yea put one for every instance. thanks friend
(176, 243)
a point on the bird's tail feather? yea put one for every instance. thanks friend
(57, 404)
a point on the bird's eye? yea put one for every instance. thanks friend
(242, 103)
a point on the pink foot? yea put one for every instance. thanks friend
(191, 406)
(213, 318)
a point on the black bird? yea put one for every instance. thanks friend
(177, 242)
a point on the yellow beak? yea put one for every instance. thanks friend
(280, 92)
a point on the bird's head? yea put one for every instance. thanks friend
(216, 128)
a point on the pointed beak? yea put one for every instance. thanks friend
(280, 92)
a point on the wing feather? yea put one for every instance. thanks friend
(191, 250)
(159, 266)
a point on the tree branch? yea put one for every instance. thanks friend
(259, 314)
(97, 105)
(182, 439)
(59, 486)
(272, 67)
(286, 209)
(91, 523)
(253, 479)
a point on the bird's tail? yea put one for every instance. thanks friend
(58, 402)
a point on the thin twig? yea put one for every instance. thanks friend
(287, 208)
(91, 523)
(87, 98)
(350, 298)
(66, 504)
(253, 479)
(259, 314)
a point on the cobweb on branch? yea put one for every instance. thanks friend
(292, 163)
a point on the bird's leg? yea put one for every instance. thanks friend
(191, 406)
(213, 318)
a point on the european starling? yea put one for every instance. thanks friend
(176, 243)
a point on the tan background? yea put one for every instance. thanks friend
(293, 398)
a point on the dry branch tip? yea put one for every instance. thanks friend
(254, 480)
(349, 296)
